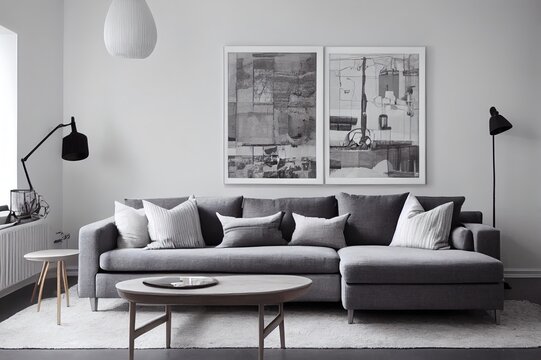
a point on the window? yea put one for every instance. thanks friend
(8, 114)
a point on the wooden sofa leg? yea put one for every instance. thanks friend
(497, 316)
(350, 316)
(94, 304)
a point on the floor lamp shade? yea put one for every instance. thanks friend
(130, 30)
(497, 123)
(74, 145)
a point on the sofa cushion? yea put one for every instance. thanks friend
(398, 265)
(207, 207)
(260, 231)
(431, 202)
(322, 207)
(373, 218)
(252, 260)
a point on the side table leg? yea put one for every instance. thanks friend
(168, 327)
(65, 280)
(261, 332)
(41, 284)
(58, 291)
(282, 327)
(132, 330)
(38, 281)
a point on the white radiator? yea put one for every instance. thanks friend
(14, 243)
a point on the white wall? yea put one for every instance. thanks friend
(8, 114)
(39, 28)
(154, 126)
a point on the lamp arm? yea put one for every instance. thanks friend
(23, 160)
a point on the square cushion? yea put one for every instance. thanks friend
(373, 218)
(400, 265)
(322, 207)
(207, 208)
(176, 228)
(259, 231)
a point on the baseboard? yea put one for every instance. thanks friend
(19, 285)
(514, 273)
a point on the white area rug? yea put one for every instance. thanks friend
(307, 326)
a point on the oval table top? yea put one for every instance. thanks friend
(51, 254)
(230, 290)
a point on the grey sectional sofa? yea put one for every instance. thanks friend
(364, 275)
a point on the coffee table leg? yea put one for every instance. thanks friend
(168, 327)
(282, 327)
(261, 331)
(132, 330)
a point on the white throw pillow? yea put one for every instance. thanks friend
(422, 229)
(314, 231)
(179, 227)
(132, 225)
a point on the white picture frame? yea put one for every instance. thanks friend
(308, 143)
(343, 102)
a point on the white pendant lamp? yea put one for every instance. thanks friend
(130, 30)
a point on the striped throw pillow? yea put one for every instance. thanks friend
(176, 228)
(422, 229)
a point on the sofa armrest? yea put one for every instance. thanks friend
(486, 239)
(94, 240)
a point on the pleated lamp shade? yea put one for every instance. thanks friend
(130, 30)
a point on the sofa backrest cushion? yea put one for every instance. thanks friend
(373, 218)
(431, 202)
(207, 207)
(322, 207)
(472, 217)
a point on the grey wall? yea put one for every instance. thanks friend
(39, 27)
(155, 125)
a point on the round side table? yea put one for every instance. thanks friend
(49, 257)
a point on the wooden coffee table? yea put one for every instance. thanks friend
(234, 290)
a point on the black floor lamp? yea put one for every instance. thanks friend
(25, 202)
(498, 125)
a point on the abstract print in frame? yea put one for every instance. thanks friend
(375, 115)
(273, 115)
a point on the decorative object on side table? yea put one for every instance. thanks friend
(49, 257)
(497, 125)
(26, 203)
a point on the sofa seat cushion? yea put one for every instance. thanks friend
(260, 259)
(398, 265)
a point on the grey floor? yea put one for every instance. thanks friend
(529, 289)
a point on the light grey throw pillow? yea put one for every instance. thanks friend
(257, 231)
(132, 227)
(418, 228)
(176, 228)
(314, 231)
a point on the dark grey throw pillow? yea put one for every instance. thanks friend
(373, 218)
(260, 231)
(314, 231)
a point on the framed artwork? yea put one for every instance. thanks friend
(273, 115)
(375, 115)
